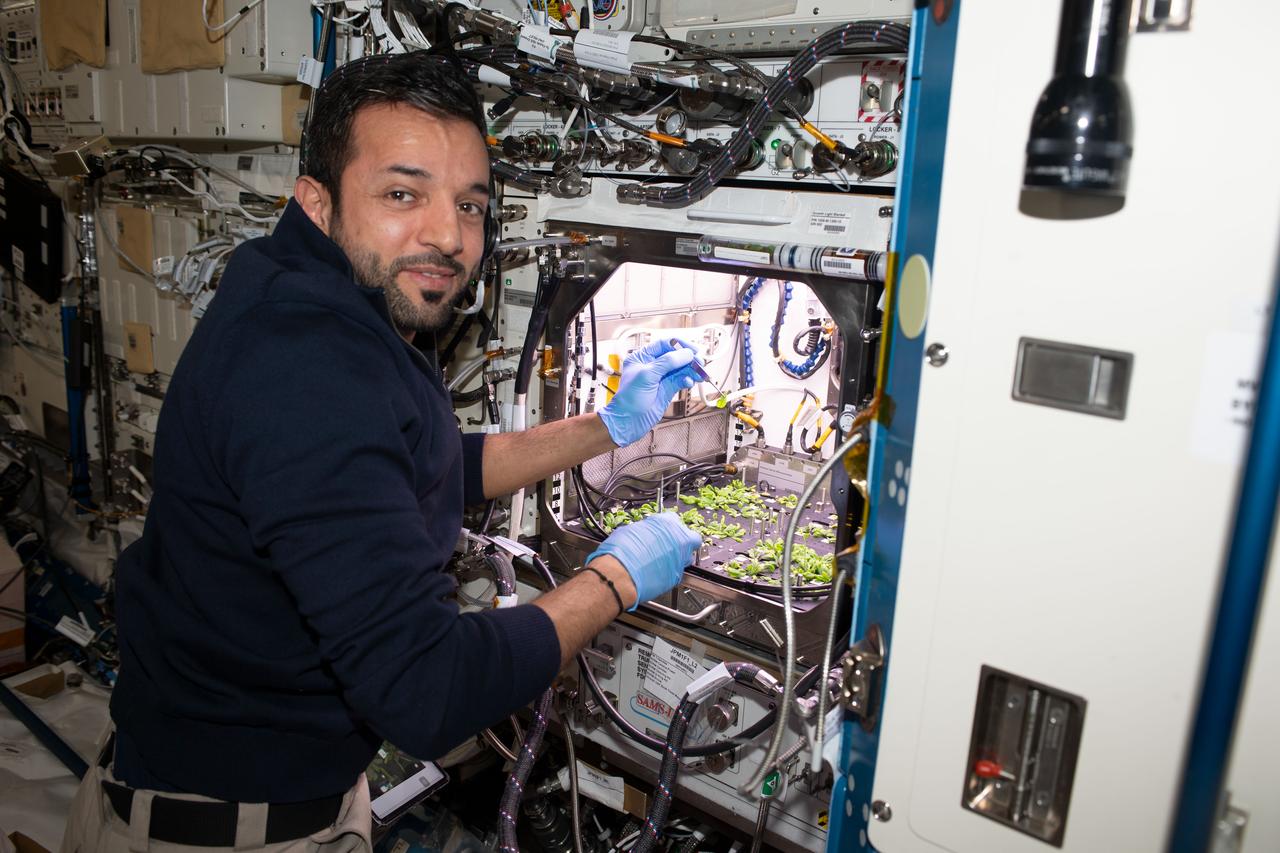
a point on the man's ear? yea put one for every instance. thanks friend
(314, 199)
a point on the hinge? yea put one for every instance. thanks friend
(861, 676)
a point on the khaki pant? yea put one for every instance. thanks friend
(94, 827)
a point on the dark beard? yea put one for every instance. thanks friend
(408, 318)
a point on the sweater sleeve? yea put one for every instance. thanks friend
(317, 438)
(473, 467)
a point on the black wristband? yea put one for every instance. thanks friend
(613, 589)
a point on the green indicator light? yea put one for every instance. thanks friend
(775, 143)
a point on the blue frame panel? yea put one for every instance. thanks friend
(1226, 663)
(926, 112)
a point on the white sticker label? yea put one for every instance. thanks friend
(684, 81)
(711, 681)
(501, 601)
(310, 72)
(604, 789)
(1228, 393)
(19, 263)
(829, 223)
(74, 631)
(606, 50)
(843, 267)
(669, 672)
(749, 256)
(162, 266)
(538, 41)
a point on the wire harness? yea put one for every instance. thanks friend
(673, 749)
(892, 36)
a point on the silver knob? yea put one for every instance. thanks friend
(937, 354)
(717, 763)
(722, 715)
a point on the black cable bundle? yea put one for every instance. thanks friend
(548, 284)
(673, 751)
(892, 36)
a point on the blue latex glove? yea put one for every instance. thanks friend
(650, 378)
(654, 551)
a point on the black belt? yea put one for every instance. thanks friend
(213, 824)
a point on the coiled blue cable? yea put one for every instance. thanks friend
(748, 297)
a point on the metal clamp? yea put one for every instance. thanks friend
(860, 671)
(686, 618)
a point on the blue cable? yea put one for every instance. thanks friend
(806, 367)
(748, 368)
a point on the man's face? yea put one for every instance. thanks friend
(410, 213)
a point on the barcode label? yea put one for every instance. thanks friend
(844, 267)
(830, 222)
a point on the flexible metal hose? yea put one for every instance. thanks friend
(788, 616)
(820, 725)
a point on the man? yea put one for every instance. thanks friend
(285, 609)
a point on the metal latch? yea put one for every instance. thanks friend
(861, 671)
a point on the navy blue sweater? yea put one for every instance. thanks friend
(285, 608)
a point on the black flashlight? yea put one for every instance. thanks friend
(1081, 133)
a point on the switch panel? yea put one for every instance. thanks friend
(1022, 756)
(1077, 378)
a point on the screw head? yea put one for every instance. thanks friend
(937, 354)
(881, 811)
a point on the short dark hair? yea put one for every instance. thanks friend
(430, 82)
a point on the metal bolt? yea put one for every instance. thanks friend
(880, 811)
(886, 211)
(937, 354)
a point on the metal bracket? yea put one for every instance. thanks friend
(1163, 16)
(601, 662)
(1228, 836)
(861, 669)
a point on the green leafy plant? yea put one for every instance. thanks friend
(732, 497)
(763, 562)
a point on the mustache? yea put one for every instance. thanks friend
(427, 259)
